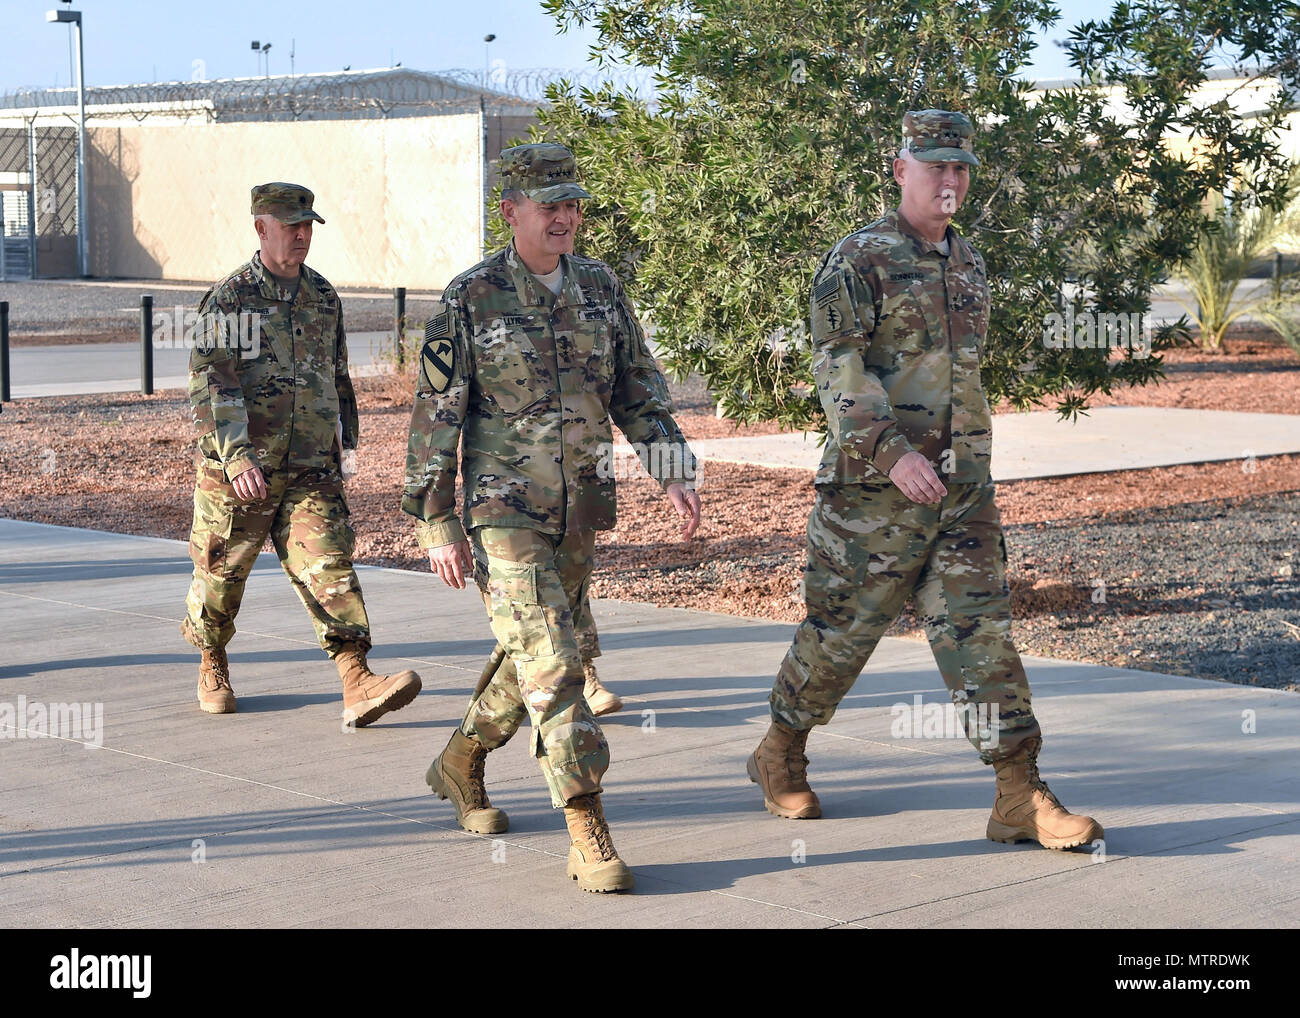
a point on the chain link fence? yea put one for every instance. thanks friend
(395, 92)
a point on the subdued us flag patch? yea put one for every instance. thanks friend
(438, 356)
(831, 312)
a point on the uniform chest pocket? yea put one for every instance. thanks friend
(265, 349)
(321, 328)
(591, 332)
(968, 303)
(507, 370)
(274, 336)
(593, 342)
(908, 321)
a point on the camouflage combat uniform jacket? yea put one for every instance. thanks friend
(898, 329)
(530, 383)
(278, 409)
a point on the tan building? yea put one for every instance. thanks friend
(1246, 96)
(400, 161)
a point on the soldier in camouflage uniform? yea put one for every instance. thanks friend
(531, 356)
(274, 408)
(900, 310)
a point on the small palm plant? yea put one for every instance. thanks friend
(1217, 268)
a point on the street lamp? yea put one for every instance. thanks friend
(74, 17)
(487, 56)
(263, 50)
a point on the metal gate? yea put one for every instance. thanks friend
(16, 251)
(18, 246)
(38, 201)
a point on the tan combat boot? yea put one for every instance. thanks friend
(366, 695)
(215, 694)
(593, 862)
(599, 699)
(1026, 810)
(780, 768)
(457, 774)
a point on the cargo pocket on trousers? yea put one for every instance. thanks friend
(210, 539)
(833, 574)
(517, 614)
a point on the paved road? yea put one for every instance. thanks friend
(115, 367)
(67, 306)
(275, 818)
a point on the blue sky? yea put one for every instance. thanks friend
(130, 41)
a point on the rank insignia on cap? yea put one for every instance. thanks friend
(438, 355)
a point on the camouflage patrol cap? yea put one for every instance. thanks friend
(939, 136)
(545, 173)
(289, 203)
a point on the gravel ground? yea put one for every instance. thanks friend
(1256, 374)
(1208, 588)
(1197, 560)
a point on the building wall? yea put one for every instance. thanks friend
(400, 197)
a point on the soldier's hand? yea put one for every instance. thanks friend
(916, 479)
(348, 464)
(687, 503)
(250, 484)
(453, 563)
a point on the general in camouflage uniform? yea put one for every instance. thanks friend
(274, 407)
(531, 357)
(900, 311)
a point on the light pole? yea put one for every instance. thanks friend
(83, 268)
(262, 50)
(487, 56)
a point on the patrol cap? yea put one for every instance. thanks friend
(939, 136)
(289, 203)
(543, 172)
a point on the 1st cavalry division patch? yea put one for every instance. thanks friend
(438, 356)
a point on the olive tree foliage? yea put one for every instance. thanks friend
(772, 133)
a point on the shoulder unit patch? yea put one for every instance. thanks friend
(438, 355)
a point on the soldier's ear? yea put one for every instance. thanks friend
(900, 169)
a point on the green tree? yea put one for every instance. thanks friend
(772, 133)
(1231, 243)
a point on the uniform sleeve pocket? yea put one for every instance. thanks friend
(204, 421)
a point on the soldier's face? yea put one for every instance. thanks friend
(284, 245)
(931, 191)
(543, 232)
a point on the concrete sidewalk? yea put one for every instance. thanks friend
(1040, 444)
(274, 817)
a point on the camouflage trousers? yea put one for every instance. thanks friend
(535, 588)
(869, 549)
(307, 520)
